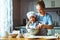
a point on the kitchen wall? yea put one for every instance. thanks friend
(16, 13)
(52, 3)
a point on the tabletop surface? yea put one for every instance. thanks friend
(26, 39)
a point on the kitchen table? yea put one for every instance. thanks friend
(41, 38)
(37, 39)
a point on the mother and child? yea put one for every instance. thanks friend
(41, 20)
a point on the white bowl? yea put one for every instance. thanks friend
(32, 31)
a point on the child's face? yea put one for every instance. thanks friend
(32, 19)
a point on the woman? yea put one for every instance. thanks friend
(43, 17)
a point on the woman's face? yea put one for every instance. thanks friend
(32, 19)
(40, 9)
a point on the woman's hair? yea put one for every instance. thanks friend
(41, 3)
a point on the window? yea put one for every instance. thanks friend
(5, 16)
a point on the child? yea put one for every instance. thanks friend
(33, 22)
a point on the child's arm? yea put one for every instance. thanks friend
(27, 25)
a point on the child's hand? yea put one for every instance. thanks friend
(38, 26)
(27, 27)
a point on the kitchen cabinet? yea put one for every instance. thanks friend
(52, 3)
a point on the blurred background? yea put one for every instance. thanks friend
(13, 14)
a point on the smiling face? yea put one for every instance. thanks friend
(40, 6)
(40, 9)
(32, 19)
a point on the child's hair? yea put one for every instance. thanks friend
(31, 13)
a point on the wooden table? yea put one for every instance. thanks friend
(11, 38)
(37, 39)
(26, 39)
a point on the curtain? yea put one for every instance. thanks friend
(6, 16)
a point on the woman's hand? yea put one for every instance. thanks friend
(40, 26)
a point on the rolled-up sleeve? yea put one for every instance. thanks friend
(50, 21)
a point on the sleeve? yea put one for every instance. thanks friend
(50, 21)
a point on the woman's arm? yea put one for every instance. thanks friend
(47, 26)
(44, 26)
